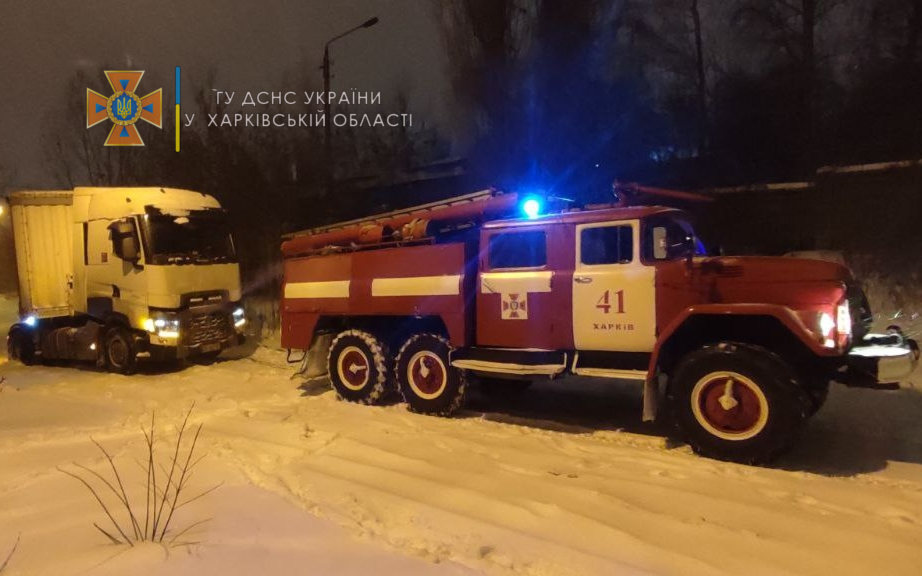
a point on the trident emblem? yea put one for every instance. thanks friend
(124, 108)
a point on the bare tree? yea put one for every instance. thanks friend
(791, 27)
(894, 29)
(486, 41)
(701, 85)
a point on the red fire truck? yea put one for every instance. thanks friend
(426, 298)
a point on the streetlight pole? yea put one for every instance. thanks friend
(328, 120)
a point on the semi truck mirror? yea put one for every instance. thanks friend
(125, 241)
(128, 249)
(660, 247)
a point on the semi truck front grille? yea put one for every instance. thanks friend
(204, 328)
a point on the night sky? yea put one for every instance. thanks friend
(251, 44)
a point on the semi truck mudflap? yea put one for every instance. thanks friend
(881, 361)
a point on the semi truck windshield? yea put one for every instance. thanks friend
(187, 236)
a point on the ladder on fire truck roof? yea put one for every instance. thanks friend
(404, 225)
(419, 210)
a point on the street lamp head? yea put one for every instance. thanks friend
(370, 22)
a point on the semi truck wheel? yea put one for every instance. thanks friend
(207, 358)
(426, 379)
(737, 402)
(121, 355)
(359, 367)
(20, 347)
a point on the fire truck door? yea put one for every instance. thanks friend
(613, 291)
(523, 293)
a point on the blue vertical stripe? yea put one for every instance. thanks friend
(177, 109)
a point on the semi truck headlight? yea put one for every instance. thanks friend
(30, 321)
(239, 317)
(162, 326)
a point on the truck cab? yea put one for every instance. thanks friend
(741, 350)
(114, 274)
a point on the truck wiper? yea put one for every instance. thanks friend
(180, 259)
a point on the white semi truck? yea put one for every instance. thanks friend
(111, 275)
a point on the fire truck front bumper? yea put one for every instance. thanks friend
(881, 361)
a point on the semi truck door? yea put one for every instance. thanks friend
(613, 291)
(110, 277)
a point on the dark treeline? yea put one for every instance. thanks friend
(689, 92)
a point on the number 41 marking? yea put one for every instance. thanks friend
(604, 303)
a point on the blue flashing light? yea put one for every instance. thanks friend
(532, 208)
(30, 321)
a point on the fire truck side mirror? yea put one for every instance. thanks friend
(660, 247)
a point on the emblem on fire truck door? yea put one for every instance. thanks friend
(515, 306)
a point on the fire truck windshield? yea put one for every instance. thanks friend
(186, 236)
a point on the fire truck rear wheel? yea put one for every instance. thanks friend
(20, 347)
(121, 354)
(426, 379)
(359, 367)
(737, 402)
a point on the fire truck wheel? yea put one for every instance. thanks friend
(426, 380)
(121, 354)
(737, 402)
(20, 347)
(817, 397)
(358, 365)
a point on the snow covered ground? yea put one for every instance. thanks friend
(564, 479)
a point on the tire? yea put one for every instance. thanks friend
(121, 354)
(817, 398)
(426, 380)
(737, 402)
(359, 367)
(20, 347)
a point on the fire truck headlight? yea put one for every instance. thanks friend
(827, 329)
(844, 318)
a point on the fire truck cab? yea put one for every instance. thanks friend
(744, 347)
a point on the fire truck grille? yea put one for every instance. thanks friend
(205, 328)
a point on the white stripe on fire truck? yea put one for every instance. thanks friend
(417, 286)
(333, 289)
(516, 282)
